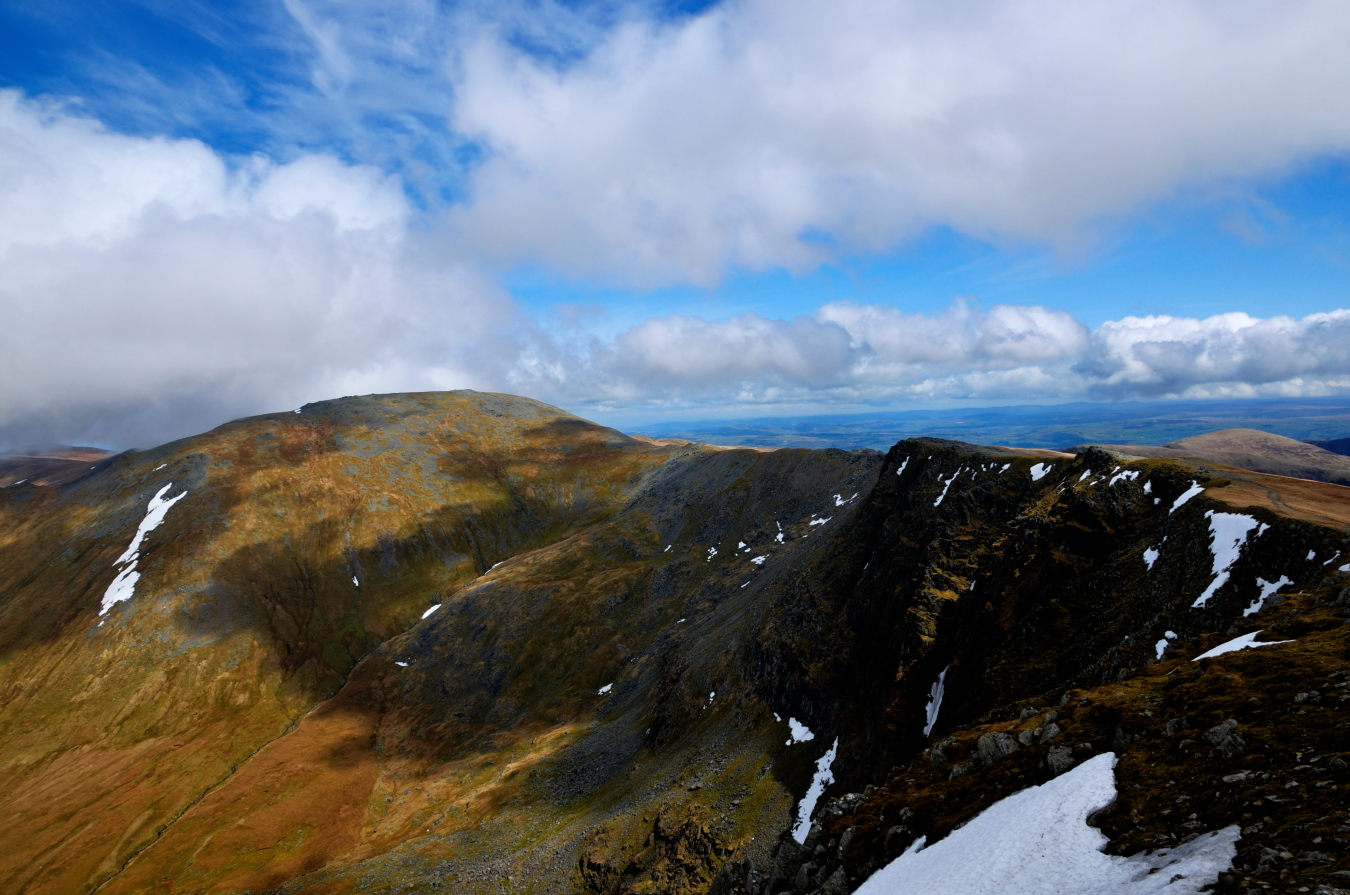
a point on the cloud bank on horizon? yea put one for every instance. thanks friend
(157, 283)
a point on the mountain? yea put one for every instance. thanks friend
(1254, 450)
(58, 464)
(1336, 446)
(469, 642)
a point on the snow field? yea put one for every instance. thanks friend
(1227, 535)
(1037, 842)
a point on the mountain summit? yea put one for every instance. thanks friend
(469, 642)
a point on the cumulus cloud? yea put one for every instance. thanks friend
(1232, 355)
(872, 355)
(151, 291)
(775, 132)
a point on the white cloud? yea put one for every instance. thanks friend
(1232, 355)
(151, 292)
(670, 152)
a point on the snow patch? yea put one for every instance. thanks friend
(1150, 557)
(1162, 645)
(759, 560)
(1228, 532)
(355, 582)
(824, 776)
(815, 521)
(712, 551)
(1004, 469)
(1312, 554)
(947, 485)
(431, 610)
(604, 690)
(901, 470)
(1186, 495)
(1267, 588)
(1246, 641)
(740, 545)
(1127, 474)
(1148, 487)
(1037, 842)
(399, 664)
(1086, 473)
(1039, 470)
(668, 546)
(798, 732)
(123, 586)
(159, 467)
(935, 702)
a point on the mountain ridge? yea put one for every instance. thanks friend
(600, 699)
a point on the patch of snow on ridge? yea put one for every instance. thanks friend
(1150, 557)
(901, 470)
(935, 702)
(815, 521)
(1129, 474)
(824, 777)
(431, 610)
(1246, 641)
(1162, 645)
(1267, 588)
(798, 732)
(1039, 470)
(399, 664)
(1228, 532)
(1037, 842)
(947, 485)
(1312, 554)
(839, 500)
(1004, 469)
(604, 690)
(759, 560)
(1185, 496)
(1086, 473)
(1148, 487)
(123, 586)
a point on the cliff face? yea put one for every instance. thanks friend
(638, 656)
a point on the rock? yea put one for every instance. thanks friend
(837, 884)
(1174, 726)
(937, 758)
(844, 840)
(1027, 714)
(1027, 737)
(1060, 759)
(803, 882)
(960, 770)
(1050, 732)
(1238, 777)
(897, 840)
(993, 747)
(1226, 740)
(1310, 858)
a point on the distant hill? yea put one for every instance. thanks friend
(53, 464)
(1251, 449)
(1335, 445)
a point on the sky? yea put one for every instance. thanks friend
(645, 211)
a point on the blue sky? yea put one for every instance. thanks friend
(645, 211)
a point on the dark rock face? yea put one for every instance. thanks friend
(641, 656)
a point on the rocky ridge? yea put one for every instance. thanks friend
(639, 654)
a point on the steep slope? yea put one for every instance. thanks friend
(643, 657)
(298, 543)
